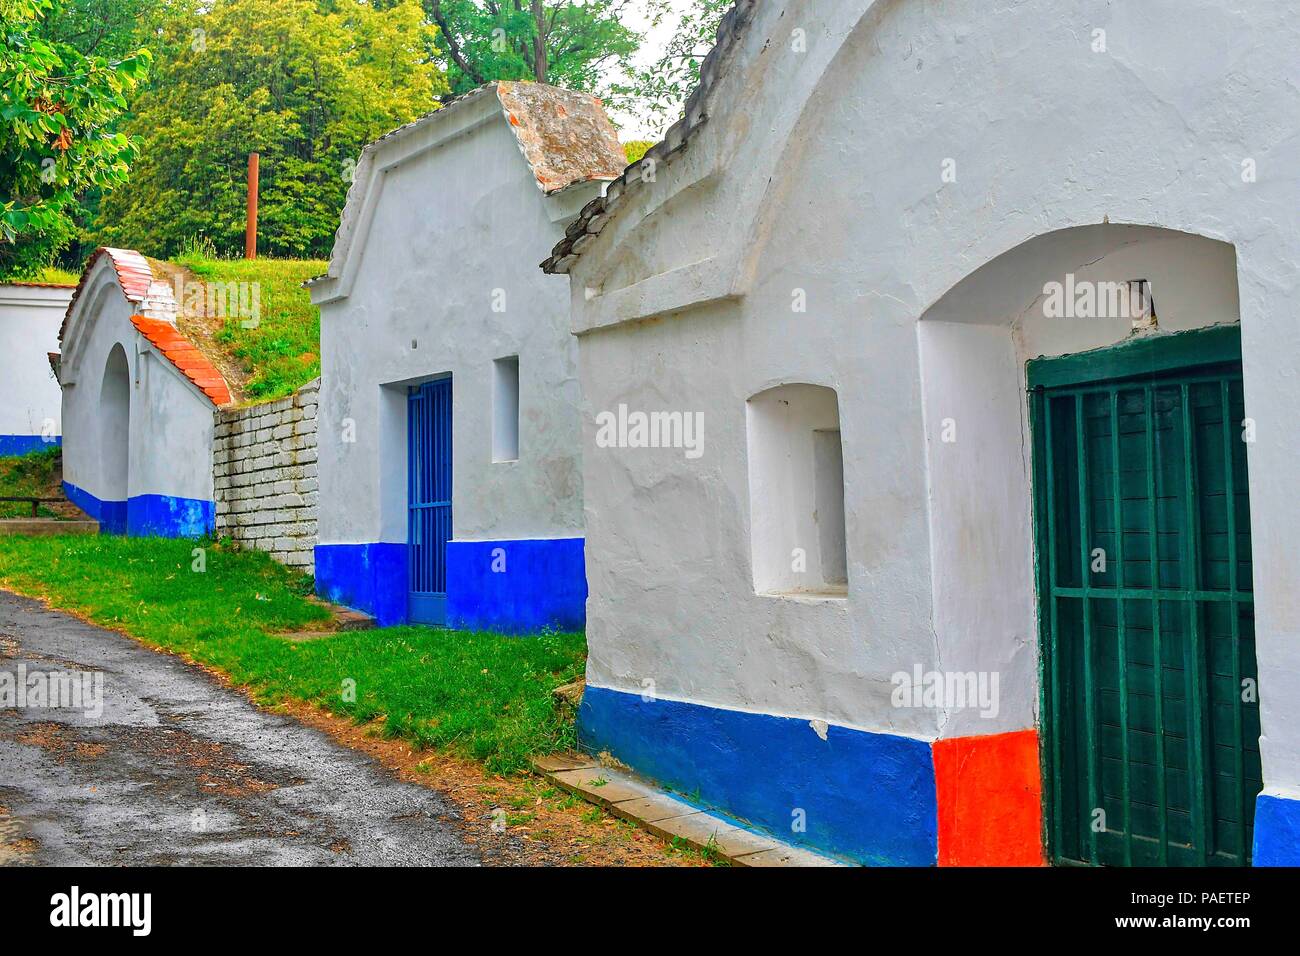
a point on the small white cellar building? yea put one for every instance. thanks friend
(138, 402)
(987, 313)
(449, 421)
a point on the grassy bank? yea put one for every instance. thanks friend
(282, 352)
(31, 476)
(478, 695)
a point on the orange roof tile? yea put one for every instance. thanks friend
(182, 353)
(133, 274)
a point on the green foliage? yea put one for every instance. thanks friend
(34, 475)
(282, 352)
(484, 40)
(480, 695)
(661, 89)
(306, 83)
(110, 28)
(58, 107)
(634, 149)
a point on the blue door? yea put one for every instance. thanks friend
(429, 497)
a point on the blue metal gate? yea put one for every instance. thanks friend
(429, 497)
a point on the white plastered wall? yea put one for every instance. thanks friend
(821, 171)
(457, 230)
(29, 329)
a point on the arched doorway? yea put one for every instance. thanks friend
(1089, 513)
(114, 441)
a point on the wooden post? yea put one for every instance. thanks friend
(250, 230)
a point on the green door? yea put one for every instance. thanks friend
(1151, 720)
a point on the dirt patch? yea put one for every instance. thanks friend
(50, 737)
(59, 741)
(15, 848)
(218, 772)
(514, 821)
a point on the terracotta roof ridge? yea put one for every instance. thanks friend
(187, 357)
(136, 279)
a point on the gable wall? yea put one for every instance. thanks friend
(29, 392)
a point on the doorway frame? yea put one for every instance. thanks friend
(1146, 355)
(433, 607)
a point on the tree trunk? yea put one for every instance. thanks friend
(539, 41)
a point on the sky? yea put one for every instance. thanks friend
(656, 39)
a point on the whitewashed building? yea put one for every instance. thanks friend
(450, 481)
(138, 402)
(30, 314)
(899, 259)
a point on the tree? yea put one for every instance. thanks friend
(57, 110)
(561, 42)
(111, 28)
(661, 90)
(307, 84)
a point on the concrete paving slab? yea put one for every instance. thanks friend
(602, 786)
(650, 809)
(552, 763)
(784, 856)
(46, 526)
(654, 810)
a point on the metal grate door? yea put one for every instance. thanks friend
(429, 498)
(1147, 619)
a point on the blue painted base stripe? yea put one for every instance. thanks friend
(369, 577)
(165, 516)
(26, 444)
(84, 500)
(517, 587)
(1277, 831)
(868, 797)
(147, 516)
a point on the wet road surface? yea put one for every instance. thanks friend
(181, 770)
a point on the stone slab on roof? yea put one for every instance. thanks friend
(565, 136)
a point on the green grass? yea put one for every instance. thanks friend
(55, 274)
(31, 475)
(479, 695)
(283, 352)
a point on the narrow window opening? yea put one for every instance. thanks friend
(796, 492)
(505, 409)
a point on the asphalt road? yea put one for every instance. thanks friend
(180, 770)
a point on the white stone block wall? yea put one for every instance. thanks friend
(264, 475)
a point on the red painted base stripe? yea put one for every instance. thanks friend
(990, 800)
